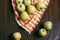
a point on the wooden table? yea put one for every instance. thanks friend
(8, 25)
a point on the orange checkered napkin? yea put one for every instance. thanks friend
(34, 18)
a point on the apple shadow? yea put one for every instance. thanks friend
(10, 37)
(20, 28)
(35, 32)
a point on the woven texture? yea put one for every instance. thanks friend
(34, 18)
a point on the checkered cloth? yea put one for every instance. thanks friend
(34, 18)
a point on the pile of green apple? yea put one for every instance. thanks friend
(25, 8)
(47, 26)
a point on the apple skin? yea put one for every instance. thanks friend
(17, 35)
(48, 25)
(42, 32)
(20, 7)
(40, 6)
(27, 2)
(31, 9)
(24, 15)
(19, 1)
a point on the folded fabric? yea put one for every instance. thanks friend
(34, 18)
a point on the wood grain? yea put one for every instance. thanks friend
(8, 25)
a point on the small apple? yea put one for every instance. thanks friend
(20, 7)
(42, 32)
(31, 9)
(48, 25)
(19, 1)
(27, 2)
(24, 15)
(40, 5)
(17, 35)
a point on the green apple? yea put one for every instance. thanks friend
(31, 9)
(20, 7)
(40, 6)
(42, 32)
(27, 2)
(19, 1)
(17, 35)
(24, 15)
(48, 25)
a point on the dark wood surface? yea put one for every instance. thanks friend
(8, 24)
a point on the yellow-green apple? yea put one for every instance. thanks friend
(27, 2)
(20, 7)
(48, 25)
(24, 15)
(42, 32)
(31, 9)
(17, 35)
(40, 5)
(19, 1)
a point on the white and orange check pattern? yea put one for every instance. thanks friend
(34, 18)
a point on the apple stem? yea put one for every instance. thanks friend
(18, 2)
(43, 30)
(20, 5)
